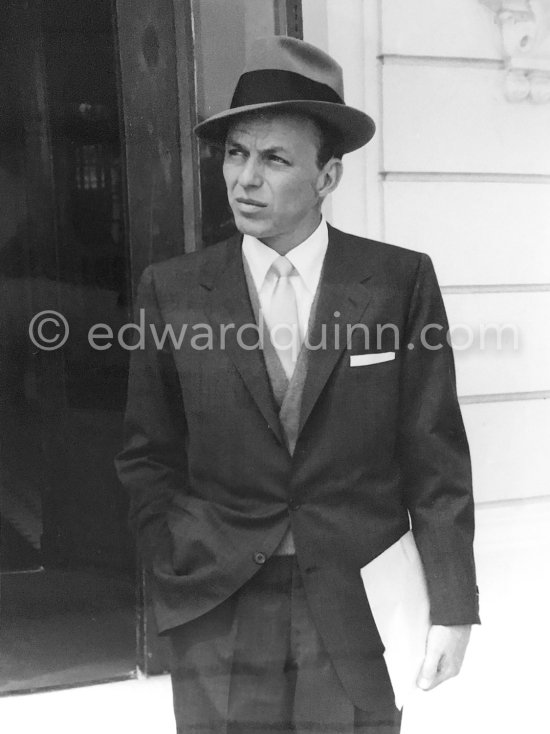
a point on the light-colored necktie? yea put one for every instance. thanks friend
(282, 315)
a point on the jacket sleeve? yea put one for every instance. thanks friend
(434, 457)
(152, 463)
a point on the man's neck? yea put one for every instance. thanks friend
(284, 243)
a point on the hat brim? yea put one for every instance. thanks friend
(354, 126)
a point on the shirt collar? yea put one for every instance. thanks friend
(307, 257)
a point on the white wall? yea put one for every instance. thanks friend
(457, 171)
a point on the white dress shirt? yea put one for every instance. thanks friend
(307, 258)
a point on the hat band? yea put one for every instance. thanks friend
(275, 85)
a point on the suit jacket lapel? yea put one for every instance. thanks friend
(229, 303)
(342, 300)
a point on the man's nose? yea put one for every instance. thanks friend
(250, 173)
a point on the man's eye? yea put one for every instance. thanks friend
(278, 159)
(233, 152)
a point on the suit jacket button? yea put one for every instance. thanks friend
(294, 505)
(260, 558)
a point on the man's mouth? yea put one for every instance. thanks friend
(252, 203)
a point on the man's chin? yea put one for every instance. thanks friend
(249, 227)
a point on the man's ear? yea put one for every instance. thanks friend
(329, 177)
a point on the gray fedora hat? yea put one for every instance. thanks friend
(285, 73)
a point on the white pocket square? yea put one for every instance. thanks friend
(359, 360)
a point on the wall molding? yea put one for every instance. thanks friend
(507, 397)
(534, 502)
(525, 35)
(466, 177)
(481, 289)
(516, 523)
(410, 60)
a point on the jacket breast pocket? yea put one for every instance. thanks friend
(366, 360)
(374, 375)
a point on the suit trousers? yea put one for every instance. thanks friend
(256, 663)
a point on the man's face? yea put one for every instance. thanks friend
(272, 178)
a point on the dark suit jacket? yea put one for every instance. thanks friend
(212, 484)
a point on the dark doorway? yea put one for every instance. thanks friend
(67, 563)
(97, 161)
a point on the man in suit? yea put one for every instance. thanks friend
(292, 413)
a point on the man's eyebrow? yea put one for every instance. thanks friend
(233, 143)
(272, 150)
(275, 149)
